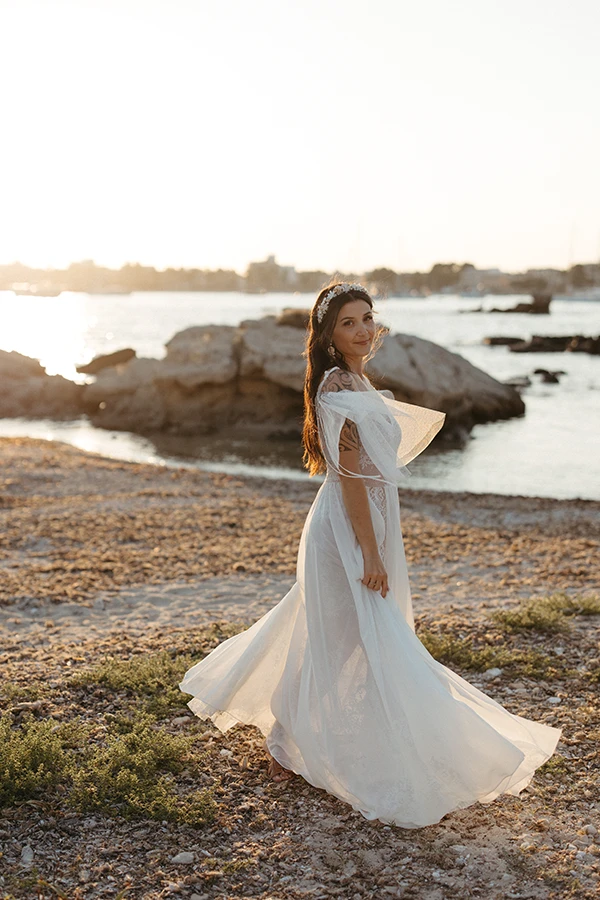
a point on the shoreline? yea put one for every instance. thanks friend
(142, 450)
(147, 526)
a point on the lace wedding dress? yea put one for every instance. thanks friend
(334, 675)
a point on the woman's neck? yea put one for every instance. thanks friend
(356, 365)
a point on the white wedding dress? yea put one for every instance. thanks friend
(334, 675)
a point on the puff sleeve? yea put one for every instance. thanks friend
(391, 433)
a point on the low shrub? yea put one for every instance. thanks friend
(151, 679)
(463, 654)
(131, 776)
(32, 759)
(547, 614)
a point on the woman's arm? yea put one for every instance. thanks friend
(356, 502)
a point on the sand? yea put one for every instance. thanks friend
(99, 556)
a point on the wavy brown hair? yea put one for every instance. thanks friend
(318, 360)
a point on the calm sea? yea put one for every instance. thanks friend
(553, 451)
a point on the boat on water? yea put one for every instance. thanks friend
(36, 290)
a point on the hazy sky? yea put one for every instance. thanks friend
(331, 133)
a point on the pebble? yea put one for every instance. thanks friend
(185, 858)
(492, 673)
(554, 700)
(590, 829)
(26, 855)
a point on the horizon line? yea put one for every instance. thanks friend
(50, 268)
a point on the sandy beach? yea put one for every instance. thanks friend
(101, 558)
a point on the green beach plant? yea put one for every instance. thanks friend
(546, 614)
(32, 759)
(151, 679)
(132, 776)
(463, 654)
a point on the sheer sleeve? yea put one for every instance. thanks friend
(391, 433)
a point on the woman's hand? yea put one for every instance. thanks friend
(375, 577)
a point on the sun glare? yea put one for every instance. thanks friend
(53, 331)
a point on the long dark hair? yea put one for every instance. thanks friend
(318, 360)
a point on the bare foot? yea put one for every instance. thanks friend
(275, 770)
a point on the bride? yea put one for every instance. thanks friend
(334, 675)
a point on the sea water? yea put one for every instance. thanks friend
(552, 451)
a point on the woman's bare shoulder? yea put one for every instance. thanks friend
(337, 379)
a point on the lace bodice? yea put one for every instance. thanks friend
(335, 380)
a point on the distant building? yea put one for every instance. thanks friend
(484, 280)
(554, 279)
(311, 282)
(270, 276)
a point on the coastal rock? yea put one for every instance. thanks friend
(423, 373)
(197, 379)
(502, 341)
(549, 377)
(250, 378)
(545, 343)
(272, 351)
(118, 358)
(126, 398)
(202, 354)
(28, 391)
(295, 318)
(189, 392)
(540, 305)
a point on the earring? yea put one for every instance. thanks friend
(331, 350)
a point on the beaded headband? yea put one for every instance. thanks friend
(342, 288)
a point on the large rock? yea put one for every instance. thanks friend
(546, 343)
(189, 392)
(107, 361)
(251, 377)
(26, 390)
(203, 354)
(272, 351)
(423, 373)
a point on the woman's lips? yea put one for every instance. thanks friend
(362, 343)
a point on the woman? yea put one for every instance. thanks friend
(334, 675)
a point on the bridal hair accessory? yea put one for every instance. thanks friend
(342, 288)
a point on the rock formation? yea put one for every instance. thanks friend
(250, 377)
(107, 361)
(547, 343)
(247, 380)
(426, 374)
(26, 390)
(540, 305)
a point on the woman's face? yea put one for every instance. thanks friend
(354, 329)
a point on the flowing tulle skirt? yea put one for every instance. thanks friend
(348, 697)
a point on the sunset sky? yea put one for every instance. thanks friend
(331, 133)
